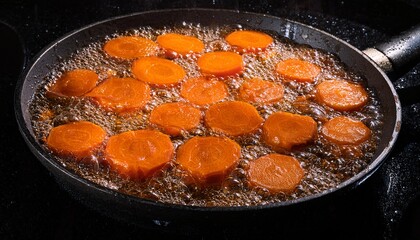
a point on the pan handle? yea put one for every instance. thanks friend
(399, 53)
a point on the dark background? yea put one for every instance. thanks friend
(33, 206)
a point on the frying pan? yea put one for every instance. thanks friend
(134, 209)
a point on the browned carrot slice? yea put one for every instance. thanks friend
(275, 172)
(209, 159)
(341, 95)
(74, 83)
(249, 41)
(180, 44)
(158, 71)
(297, 70)
(257, 90)
(233, 118)
(130, 47)
(343, 131)
(76, 139)
(138, 154)
(203, 91)
(121, 94)
(283, 130)
(175, 117)
(221, 64)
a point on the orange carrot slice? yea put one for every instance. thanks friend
(283, 130)
(76, 139)
(343, 131)
(157, 71)
(275, 172)
(121, 94)
(221, 64)
(138, 154)
(180, 44)
(74, 83)
(203, 91)
(341, 95)
(175, 117)
(257, 90)
(209, 159)
(249, 41)
(233, 118)
(297, 70)
(130, 47)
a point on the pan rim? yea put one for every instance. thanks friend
(44, 157)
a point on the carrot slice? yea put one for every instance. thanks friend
(138, 154)
(130, 47)
(249, 41)
(74, 83)
(209, 159)
(221, 64)
(180, 44)
(76, 139)
(158, 71)
(343, 130)
(121, 94)
(275, 172)
(341, 95)
(257, 90)
(233, 118)
(175, 117)
(297, 70)
(283, 130)
(203, 91)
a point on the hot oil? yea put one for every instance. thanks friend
(325, 165)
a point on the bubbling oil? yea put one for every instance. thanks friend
(325, 165)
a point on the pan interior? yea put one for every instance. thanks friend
(295, 31)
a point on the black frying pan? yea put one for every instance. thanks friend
(133, 209)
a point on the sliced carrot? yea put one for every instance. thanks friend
(76, 139)
(208, 159)
(203, 91)
(130, 47)
(178, 44)
(233, 118)
(275, 172)
(121, 94)
(158, 71)
(345, 131)
(257, 90)
(341, 95)
(175, 117)
(74, 83)
(249, 41)
(297, 70)
(138, 154)
(283, 130)
(221, 64)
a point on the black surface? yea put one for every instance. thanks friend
(386, 206)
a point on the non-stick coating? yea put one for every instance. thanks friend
(131, 208)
